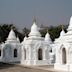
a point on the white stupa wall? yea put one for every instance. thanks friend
(63, 51)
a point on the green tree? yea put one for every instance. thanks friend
(25, 31)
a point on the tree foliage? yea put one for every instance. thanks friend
(54, 31)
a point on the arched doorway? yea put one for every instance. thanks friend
(25, 54)
(15, 52)
(51, 50)
(63, 56)
(7, 53)
(40, 54)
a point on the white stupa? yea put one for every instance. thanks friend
(11, 35)
(35, 51)
(24, 40)
(18, 39)
(11, 49)
(64, 50)
(61, 37)
(34, 30)
(47, 38)
(70, 24)
(62, 33)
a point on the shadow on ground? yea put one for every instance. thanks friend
(6, 65)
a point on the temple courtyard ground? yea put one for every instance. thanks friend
(20, 68)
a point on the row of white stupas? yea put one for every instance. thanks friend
(36, 50)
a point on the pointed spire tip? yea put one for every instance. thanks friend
(47, 30)
(34, 19)
(62, 27)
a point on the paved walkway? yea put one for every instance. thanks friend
(20, 68)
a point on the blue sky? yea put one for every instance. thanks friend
(47, 12)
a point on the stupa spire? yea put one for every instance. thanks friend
(70, 24)
(34, 19)
(62, 27)
(11, 35)
(47, 37)
(62, 33)
(47, 30)
(34, 29)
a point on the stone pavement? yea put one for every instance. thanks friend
(21, 68)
